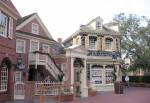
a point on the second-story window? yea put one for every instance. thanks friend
(35, 28)
(83, 41)
(92, 42)
(34, 46)
(45, 48)
(6, 25)
(108, 43)
(20, 46)
(3, 24)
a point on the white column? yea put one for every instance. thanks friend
(103, 75)
(118, 73)
(84, 88)
(72, 73)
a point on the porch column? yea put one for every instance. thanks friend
(72, 73)
(118, 72)
(84, 88)
(104, 75)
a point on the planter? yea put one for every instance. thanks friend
(92, 93)
(118, 88)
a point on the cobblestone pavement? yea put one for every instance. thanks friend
(131, 95)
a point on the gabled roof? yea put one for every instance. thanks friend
(21, 22)
(22, 19)
(10, 5)
(86, 29)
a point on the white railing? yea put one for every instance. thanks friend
(50, 88)
(44, 59)
(19, 90)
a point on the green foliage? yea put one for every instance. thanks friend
(135, 31)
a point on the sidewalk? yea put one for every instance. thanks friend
(131, 95)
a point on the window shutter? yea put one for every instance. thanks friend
(10, 33)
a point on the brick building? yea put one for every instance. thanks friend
(8, 17)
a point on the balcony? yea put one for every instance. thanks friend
(103, 53)
(38, 58)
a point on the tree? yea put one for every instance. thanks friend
(135, 31)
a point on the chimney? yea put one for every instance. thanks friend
(59, 40)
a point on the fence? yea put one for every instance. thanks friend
(50, 88)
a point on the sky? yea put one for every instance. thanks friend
(63, 17)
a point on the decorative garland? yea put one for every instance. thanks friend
(6, 61)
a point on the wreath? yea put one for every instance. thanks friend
(6, 61)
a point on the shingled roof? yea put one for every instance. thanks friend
(10, 5)
(22, 19)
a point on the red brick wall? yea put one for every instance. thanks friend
(7, 49)
(28, 27)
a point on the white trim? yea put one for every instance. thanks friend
(47, 46)
(23, 45)
(18, 75)
(34, 41)
(35, 16)
(4, 79)
(37, 28)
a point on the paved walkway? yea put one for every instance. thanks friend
(131, 95)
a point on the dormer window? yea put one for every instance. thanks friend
(98, 25)
(35, 28)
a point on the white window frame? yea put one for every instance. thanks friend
(45, 45)
(24, 46)
(108, 47)
(35, 28)
(96, 76)
(18, 76)
(106, 77)
(92, 44)
(3, 79)
(6, 27)
(31, 45)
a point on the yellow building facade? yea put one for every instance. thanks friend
(103, 56)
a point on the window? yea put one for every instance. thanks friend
(109, 76)
(96, 75)
(3, 24)
(98, 25)
(18, 76)
(108, 43)
(88, 71)
(92, 43)
(83, 41)
(3, 79)
(34, 46)
(35, 28)
(45, 48)
(20, 46)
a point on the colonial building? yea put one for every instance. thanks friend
(34, 47)
(94, 52)
(8, 17)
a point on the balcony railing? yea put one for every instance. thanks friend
(103, 53)
(39, 58)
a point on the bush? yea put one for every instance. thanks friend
(138, 79)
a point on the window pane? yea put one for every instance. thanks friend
(3, 24)
(20, 46)
(3, 79)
